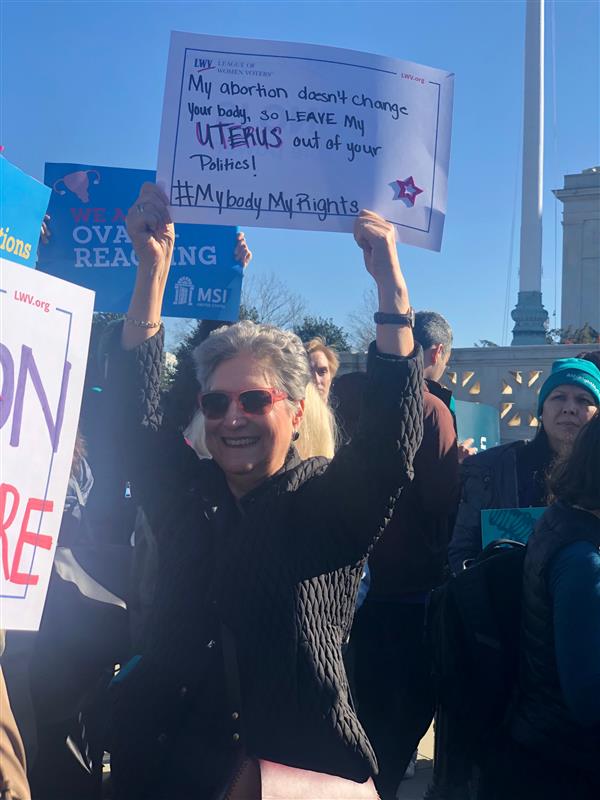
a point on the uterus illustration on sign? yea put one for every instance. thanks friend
(78, 183)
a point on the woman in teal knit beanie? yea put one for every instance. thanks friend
(514, 475)
(568, 399)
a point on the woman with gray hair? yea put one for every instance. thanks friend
(261, 552)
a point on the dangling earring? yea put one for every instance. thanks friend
(295, 436)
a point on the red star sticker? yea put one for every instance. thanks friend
(406, 190)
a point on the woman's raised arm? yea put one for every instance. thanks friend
(377, 239)
(153, 235)
(346, 508)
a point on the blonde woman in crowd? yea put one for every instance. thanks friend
(324, 365)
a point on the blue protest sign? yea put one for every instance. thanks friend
(23, 203)
(509, 523)
(89, 245)
(479, 422)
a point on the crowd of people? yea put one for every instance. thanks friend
(240, 600)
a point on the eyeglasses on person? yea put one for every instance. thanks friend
(257, 402)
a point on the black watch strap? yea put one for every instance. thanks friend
(403, 320)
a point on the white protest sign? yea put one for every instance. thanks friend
(44, 340)
(286, 135)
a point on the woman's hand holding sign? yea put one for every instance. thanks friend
(153, 236)
(242, 254)
(152, 233)
(377, 239)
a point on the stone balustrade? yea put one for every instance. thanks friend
(508, 378)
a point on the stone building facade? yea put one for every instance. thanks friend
(581, 249)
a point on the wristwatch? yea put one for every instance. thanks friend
(403, 320)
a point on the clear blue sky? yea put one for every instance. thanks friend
(83, 82)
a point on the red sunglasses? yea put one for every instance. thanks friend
(258, 402)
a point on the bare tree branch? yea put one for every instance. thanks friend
(360, 322)
(274, 302)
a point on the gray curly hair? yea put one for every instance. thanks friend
(286, 360)
(281, 351)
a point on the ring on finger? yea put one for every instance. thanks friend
(140, 208)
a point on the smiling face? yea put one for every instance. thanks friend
(248, 447)
(565, 410)
(321, 372)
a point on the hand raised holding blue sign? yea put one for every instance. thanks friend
(243, 254)
(90, 245)
(152, 233)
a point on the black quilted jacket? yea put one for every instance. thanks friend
(281, 573)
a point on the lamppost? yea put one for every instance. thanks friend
(529, 315)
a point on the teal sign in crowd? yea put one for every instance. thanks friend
(479, 422)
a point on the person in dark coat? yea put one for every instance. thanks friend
(554, 744)
(434, 334)
(393, 665)
(254, 541)
(514, 475)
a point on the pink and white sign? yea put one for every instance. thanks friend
(43, 353)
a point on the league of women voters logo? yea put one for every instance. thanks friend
(78, 183)
(406, 191)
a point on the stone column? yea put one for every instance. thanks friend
(530, 316)
(581, 249)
